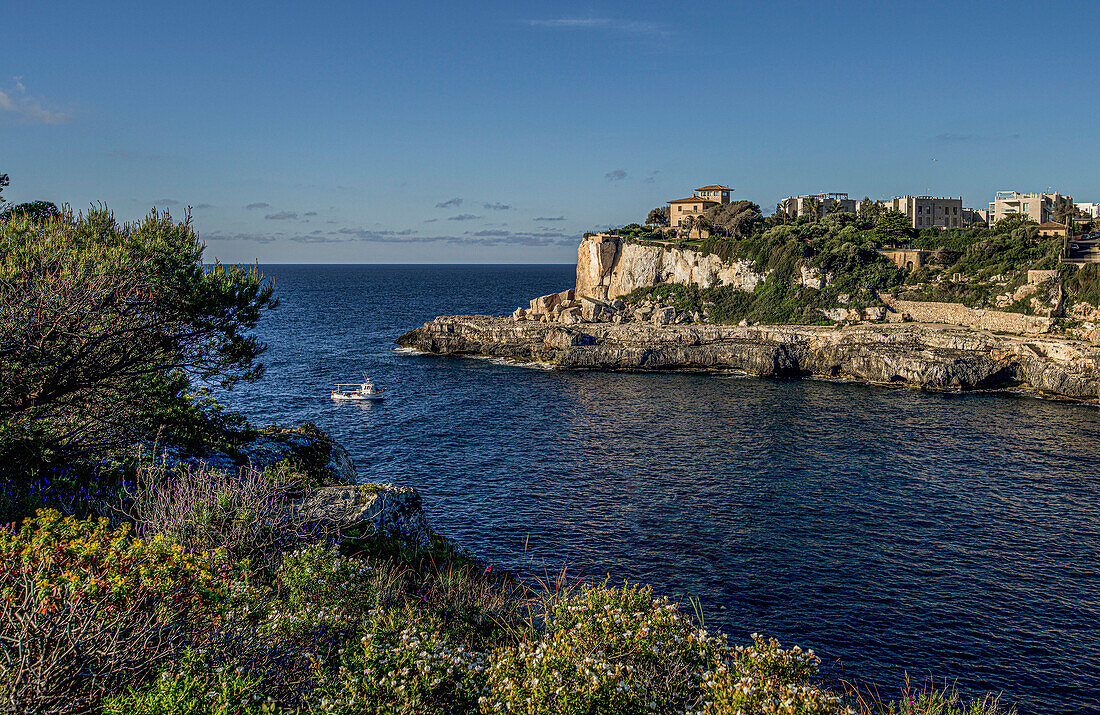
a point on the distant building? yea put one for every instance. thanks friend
(972, 217)
(704, 198)
(1052, 228)
(1092, 210)
(1035, 207)
(929, 211)
(826, 203)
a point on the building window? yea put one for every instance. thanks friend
(955, 210)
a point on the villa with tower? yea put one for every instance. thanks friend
(692, 206)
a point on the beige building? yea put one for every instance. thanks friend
(974, 216)
(704, 198)
(1036, 207)
(929, 211)
(826, 203)
(1052, 228)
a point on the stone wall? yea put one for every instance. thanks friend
(958, 314)
(608, 267)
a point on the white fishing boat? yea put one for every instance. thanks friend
(364, 390)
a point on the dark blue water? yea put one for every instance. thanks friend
(892, 531)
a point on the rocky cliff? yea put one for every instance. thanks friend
(934, 357)
(609, 267)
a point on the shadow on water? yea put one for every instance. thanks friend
(891, 530)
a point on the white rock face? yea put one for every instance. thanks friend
(608, 268)
(812, 278)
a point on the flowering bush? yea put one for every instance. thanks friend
(319, 575)
(606, 649)
(416, 671)
(83, 607)
(765, 678)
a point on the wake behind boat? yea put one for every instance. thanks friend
(364, 390)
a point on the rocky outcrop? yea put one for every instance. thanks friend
(609, 267)
(927, 356)
(375, 509)
(310, 450)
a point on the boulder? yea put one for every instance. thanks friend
(544, 304)
(592, 309)
(663, 316)
(570, 316)
(519, 314)
(382, 509)
(874, 313)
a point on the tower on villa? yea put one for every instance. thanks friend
(703, 199)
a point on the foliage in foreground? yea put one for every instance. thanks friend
(104, 330)
(335, 629)
(85, 609)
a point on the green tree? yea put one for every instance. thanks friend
(737, 219)
(658, 217)
(37, 211)
(811, 207)
(1063, 212)
(104, 329)
(1010, 223)
(892, 226)
(870, 210)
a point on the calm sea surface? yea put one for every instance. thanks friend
(890, 530)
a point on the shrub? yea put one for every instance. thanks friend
(765, 678)
(249, 514)
(190, 688)
(418, 671)
(84, 608)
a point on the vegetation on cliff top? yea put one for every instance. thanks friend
(980, 267)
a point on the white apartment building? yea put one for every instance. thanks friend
(1092, 210)
(1036, 207)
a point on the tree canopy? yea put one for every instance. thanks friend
(892, 226)
(106, 328)
(737, 219)
(37, 211)
(658, 216)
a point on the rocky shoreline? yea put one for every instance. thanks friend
(928, 356)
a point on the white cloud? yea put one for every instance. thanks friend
(632, 27)
(27, 108)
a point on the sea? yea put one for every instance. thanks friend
(901, 534)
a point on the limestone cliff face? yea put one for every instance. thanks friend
(935, 357)
(608, 267)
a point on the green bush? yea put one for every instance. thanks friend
(191, 688)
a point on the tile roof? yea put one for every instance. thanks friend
(714, 187)
(691, 199)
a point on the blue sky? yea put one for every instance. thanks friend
(491, 132)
